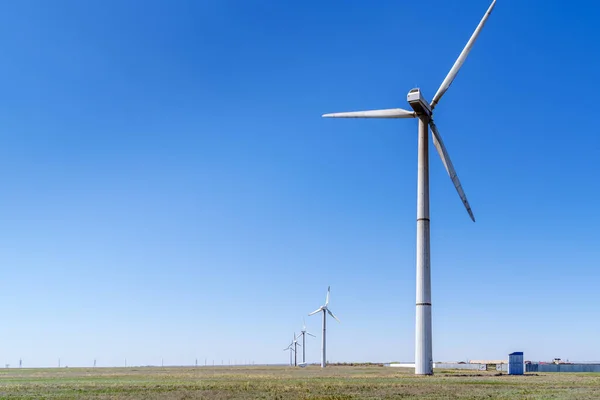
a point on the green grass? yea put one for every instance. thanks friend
(332, 383)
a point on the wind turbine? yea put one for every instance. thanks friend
(325, 310)
(424, 112)
(303, 333)
(291, 349)
(296, 344)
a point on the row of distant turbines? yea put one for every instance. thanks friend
(293, 346)
(162, 363)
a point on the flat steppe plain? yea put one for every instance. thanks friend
(312, 382)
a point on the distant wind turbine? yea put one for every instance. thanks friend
(296, 344)
(325, 310)
(291, 349)
(303, 333)
(423, 111)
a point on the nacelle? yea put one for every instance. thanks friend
(418, 102)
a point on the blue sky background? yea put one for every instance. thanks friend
(169, 190)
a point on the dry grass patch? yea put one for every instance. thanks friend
(331, 383)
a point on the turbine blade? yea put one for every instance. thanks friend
(389, 113)
(316, 311)
(330, 313)
(439, 145)
(461, 58)
(308, 333)
(327, 298)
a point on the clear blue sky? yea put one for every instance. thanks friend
(169, 189)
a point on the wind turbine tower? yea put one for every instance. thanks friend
(423, 111)
(296, 344)
(325, 310)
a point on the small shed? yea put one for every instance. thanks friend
(515, 363)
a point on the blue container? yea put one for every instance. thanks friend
(515, 363)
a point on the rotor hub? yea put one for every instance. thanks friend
(418, 103)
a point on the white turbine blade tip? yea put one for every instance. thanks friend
(441, 149)
(461, 58)
(330, 313)
(389, 113)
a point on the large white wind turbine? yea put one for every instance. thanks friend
(325, 310)
(424, 112)
(303, 333)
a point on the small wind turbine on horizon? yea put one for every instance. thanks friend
(291, 349)
(325, 310)
(296, 344)
(423, 111)
(303, 333)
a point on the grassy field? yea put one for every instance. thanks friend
(334, 382)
